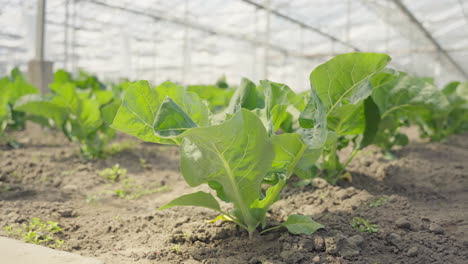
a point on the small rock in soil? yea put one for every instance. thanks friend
(292, 256)
(356, 240)
(412, 251)
(403, 223)
(182, 221)
(339, 245)
(331, 245)
(465, 243)
(393, 198)
(152, 256)
(316, 259)
(319, 183)
(319, 243)
(395, 239)
(70, 188)
(67, 213)
(436, 228)
(191, 261)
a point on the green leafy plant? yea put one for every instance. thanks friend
(402, 100)
(233, 158)
(362, 225)
(438, 127)
(84, 118)
(12, 88)
(37, 232)
(343, 88)
(216, 97)
(113, 174)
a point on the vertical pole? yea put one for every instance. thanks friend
(254, 47)
(387, 27)
(266, 45)
(40, 71)
(185, 45)
(73, 38)
(302, 66)
(65, 37)
(40, 29)
(155, 55)
(348, 21)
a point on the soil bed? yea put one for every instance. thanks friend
(419, 203)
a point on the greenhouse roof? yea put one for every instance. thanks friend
(196, 41)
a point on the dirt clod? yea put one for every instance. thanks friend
(412, 252)
(395, 240)
(403, 223)
(436, 228)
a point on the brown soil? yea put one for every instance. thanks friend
(419, 202)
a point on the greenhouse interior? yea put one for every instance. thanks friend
(233, 131)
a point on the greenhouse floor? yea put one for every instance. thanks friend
(415, 207)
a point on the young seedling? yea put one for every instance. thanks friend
(113, 174)
(37, 232)
(378, 202)
(362, 225)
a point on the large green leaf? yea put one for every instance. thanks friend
(217, 98)
(301, 224)
(144, 115)
(37, 106)
(372, 116)
(277, 99)
(462, 91)
(103, 97)
(195, 108)
(90, 116)
(345, 78)
(349, 119)
(68, 97)
(289, 149)
(233, 158)
(246, 96)
(109, 111)
(313, 129)
(138, 111)
(409, 96)
(171, 120)
(18, 88)
(4, 110)
(200, 199)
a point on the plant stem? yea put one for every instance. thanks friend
(271, 228)
(351, 157)
(251, 235)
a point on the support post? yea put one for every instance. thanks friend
(266, 46)
(40, 72)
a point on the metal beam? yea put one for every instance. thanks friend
(402, 7)
(195, 25)
(302, 24)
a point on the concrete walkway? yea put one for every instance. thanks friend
(17, 252)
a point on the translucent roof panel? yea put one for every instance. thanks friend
(197, 41)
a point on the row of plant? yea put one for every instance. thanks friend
(267, 132)
(237, 141)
